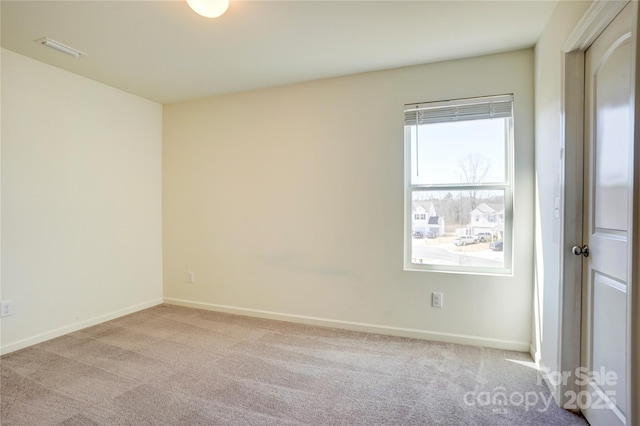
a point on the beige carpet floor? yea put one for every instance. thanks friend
(170, 365)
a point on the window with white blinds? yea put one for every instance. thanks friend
(467, 109)
(459, 167)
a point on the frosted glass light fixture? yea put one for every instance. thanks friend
(209, 8)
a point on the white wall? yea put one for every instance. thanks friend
(81, 201)
(288, 203)
(548, 83)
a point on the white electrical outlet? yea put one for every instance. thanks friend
(6, 308)
(436, 300)
(191, 278)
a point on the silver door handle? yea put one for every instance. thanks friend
(577, 250)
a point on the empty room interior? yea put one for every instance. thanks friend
(319, 212)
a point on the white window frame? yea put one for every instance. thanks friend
(447, 111)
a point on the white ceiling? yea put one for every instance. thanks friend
(163, 51)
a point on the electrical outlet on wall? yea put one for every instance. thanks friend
(191, 277)
(6, 308)
(436, 300)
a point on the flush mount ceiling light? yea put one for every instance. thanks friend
(61, 47)
(209, 8)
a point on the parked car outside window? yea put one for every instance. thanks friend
(465, 240)
(496, 246)
(484, 236)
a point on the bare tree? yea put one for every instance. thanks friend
(473, 168)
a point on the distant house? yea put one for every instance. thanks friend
(487, 217)
(436, 225)
(425, 219)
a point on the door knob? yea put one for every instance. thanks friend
(577, 250)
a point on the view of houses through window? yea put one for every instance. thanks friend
(456, 228)
(459, 187)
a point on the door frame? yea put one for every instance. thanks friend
(595, 20)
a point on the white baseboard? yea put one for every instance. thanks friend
(535, 354)
(43, 337)
(357, 326)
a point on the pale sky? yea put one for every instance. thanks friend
(441, 145)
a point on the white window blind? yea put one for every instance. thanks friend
(459, 110)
